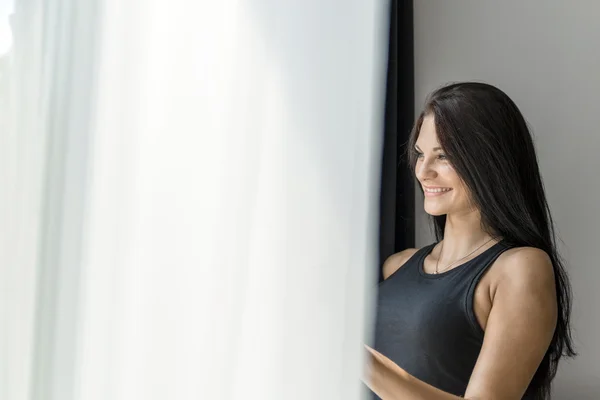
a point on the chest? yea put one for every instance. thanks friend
(481, 302)
(418, 305)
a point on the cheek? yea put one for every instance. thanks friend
(463, 195)
(449, 175)
(453, 180)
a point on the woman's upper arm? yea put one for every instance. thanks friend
(520, 327)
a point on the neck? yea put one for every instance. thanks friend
(463, 234)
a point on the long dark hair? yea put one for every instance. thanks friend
(487, 141)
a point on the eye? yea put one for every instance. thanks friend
(418, 155)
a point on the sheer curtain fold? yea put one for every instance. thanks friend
(22, 158)
(208, 189)
(49, 96)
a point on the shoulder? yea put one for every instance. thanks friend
(397, 260)
(524, 269)
(524, 264)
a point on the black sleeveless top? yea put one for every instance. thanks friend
(426, 323)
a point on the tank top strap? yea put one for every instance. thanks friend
(410, 266)
(423, 252)
(483, 263)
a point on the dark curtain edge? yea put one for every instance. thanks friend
(397, 205)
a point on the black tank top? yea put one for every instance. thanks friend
(426, 324)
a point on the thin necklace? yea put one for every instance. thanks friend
(448, 266)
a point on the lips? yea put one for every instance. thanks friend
(431, 191)
(435, 189)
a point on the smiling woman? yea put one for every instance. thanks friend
(482, 313)
(442, 187)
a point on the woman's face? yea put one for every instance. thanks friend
(445, 192)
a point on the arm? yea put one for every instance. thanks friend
(518, 332)
(390, 382)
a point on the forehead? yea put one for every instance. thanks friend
(427, 133)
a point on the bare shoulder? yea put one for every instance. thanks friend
(527, 266)
(397, 260)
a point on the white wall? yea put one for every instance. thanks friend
(546, 55)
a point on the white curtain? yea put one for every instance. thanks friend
(23, 115)
(196, 188)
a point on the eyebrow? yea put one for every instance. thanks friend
(434, 149)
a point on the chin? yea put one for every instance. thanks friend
(436, 211)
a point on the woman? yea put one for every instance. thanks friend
(484, 312)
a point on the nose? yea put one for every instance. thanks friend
(424, 170)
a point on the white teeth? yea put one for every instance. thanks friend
(437, 190)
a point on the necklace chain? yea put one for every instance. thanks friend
(454, 262)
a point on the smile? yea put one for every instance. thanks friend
(435, 191)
